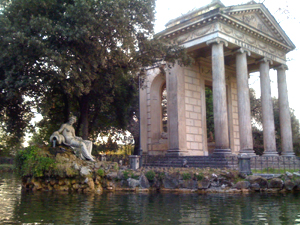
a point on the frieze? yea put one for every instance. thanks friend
(195, 34)
(253, 43)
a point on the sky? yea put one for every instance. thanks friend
(287, 14)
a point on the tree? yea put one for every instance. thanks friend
(256, 112)
(76, 56)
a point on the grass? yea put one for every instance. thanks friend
(274, 170)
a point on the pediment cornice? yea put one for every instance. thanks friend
(230, 17)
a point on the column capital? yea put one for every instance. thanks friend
(217, 41)
(265, 60)
(281, 67)
(241, 51)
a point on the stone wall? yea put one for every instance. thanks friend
(193, 107)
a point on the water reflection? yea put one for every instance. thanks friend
(52, 208)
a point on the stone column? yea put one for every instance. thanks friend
(284, 113)
(246, 140)
(219, 97)
(176, 111)
(267, 109)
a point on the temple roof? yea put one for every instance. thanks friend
(251, 18)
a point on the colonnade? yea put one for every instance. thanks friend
(220, 104)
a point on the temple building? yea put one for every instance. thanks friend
(227, 43)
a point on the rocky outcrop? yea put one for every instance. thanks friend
(96, 177)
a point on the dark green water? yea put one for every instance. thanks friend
(18, 207)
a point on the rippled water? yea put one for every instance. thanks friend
(18, 207)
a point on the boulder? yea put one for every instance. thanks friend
(132, 183)
(85, 171)
(242, 185)
(204, 183)
(262, 182)
(255, 187)
(289, 175)
(112, 176)
(289, 185)
(276, 183)
(296, 174)
(144, 181)
(170, 182)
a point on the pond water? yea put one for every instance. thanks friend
(17, 207)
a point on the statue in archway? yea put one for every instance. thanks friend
(66, 135)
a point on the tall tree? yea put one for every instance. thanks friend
(256, 112)
(83, 56)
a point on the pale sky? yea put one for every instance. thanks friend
(286, 12)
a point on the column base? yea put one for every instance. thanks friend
(176, 152)
(222, 152)
(270, 154)
(249, 152)
(291, 154)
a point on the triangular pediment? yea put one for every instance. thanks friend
(257, 16)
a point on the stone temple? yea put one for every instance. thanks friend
(227, 44)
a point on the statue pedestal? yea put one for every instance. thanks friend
(134, 161)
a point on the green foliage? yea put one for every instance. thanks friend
(150, 175)
(161, 176)
(186, 176)
(32, 162)
(100, 172)
(76, 56)
(199, 176)
(129, 174)
(126, 174)
(209, 113)
(256, 113)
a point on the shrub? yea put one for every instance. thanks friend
(100, 172)
(150, 175)
(126, 174)
(32, 162)
(186, 176)
(199, 176)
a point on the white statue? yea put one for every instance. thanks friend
(66, 135)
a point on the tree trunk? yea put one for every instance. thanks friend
(66, 107)
(84, 116)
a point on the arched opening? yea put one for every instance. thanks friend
(164, 109)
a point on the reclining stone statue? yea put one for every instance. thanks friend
(66, 135)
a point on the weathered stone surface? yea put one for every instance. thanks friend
(276, 183)
(289, 185)
(226, 183)
(242, 185)
(296, 174)
(85, 171)
(228, 175)
(144, 181)
(112, 175)
(132, 183)
(255, 187)
(170, 182)
(188, 184)
(288, 174)
(262, 182)
(204, 183)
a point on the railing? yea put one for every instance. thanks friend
(278, 164)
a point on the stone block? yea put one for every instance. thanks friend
(194, 145)
(194, 115)
(190, 137)
(198, 123)
(189, 122)
(197, 109)
(198, 138)
(189, 107)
